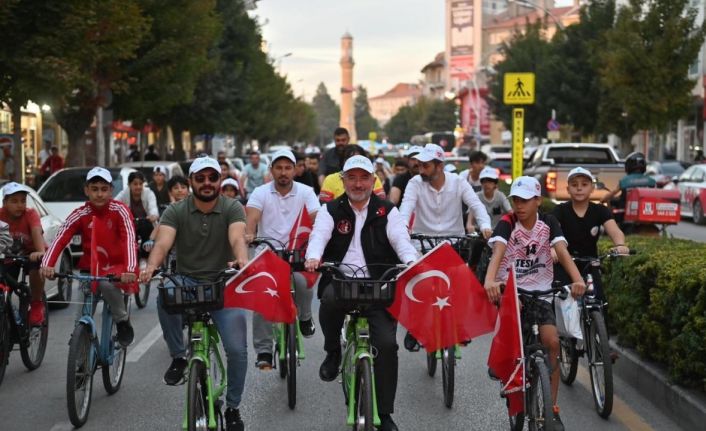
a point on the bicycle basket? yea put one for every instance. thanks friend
(178, 298)
(351, 292)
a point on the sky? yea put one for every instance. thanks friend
(392, 40)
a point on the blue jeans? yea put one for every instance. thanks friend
(232, 327)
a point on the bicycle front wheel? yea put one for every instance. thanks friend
(79, 375)
(600, 366)
(364, 396)
(431, 364)
(115, 367)
(33, 347)
(568, 360)
(292, 365)
(448, 369)
(540, 412)
(4, 339)
(197, 398)
(142, 295)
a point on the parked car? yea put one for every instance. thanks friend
(147, 168)
(503, 164)
(692, 190)
(63, 192)
(551, 163)
(57, 290)
(666, 172)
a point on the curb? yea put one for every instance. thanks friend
(687, 408)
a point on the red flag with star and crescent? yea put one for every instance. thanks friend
(506, 357)
(299, 239)
(102, 236)
(440, 301)
(263, 286)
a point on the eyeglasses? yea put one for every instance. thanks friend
(212, 178)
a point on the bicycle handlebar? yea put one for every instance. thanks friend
(333, 266)
(86, 277)
(271, 243)
(563, 292)
(421, 236)
(160, 273)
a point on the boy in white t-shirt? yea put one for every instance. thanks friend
(524, 239)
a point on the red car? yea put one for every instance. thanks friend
(692, 187)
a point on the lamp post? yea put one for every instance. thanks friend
(530, 5)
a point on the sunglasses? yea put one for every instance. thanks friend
(213, 178)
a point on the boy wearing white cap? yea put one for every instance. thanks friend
(26, 231)
(523, 240)
(494, 200)
(230, 188)
(117, 239)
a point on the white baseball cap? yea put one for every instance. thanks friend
(580, 171)
(312, 150)
(230, 182)
(430, 152)
(13, 187)
(358, 162)
(414, 149)
(380, 160)
(99, 172)
(488, 173)
(161, 169)
(526, 188)
(205, 162)
(283, 153)
(450, 168)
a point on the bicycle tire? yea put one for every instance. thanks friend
(4, 339)
(431, 364)
(79, 375)
(142, 295)
(197, 397)
(364, 396)
(448, 371)
(568, 360)
(292, 365)
(113, 372)
(540, 413)
(32, 349)
(599, 352)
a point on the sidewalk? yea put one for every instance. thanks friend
(685, 407)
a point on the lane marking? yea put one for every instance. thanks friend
(62, 426)
(621, 411)
(144, 345)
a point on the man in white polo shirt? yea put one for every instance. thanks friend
(271, 211)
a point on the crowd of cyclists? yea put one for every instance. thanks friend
(204, 223)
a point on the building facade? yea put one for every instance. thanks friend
(385, 106)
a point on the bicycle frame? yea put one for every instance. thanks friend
(357, 336)
(280, 333)
(102, 352)
(204, 339)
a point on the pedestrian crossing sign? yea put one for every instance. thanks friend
(518, 89)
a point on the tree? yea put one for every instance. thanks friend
(364, 122)
(426, 116)
(327, 114)
(645, 65)
(579, 91)
(403, 125)
(529, 52)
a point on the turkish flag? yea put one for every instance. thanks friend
(506, 357)
(440, 301)
(99, 261)
(299, 239)
(263, 286)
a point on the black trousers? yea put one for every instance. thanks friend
(383, 338)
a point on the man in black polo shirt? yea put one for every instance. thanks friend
(331, 160)
(359, 228)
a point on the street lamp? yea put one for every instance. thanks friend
(530, 5)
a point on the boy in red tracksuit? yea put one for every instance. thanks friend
(117, 244)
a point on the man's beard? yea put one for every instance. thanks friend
(425, 178)
(360, 196)
(204, 198)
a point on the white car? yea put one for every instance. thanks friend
(57, 290)
(63, 192)
(147, 168)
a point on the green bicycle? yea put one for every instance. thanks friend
(206, 373)
(288, 339)
(358, 378)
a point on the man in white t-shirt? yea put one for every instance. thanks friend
(272, 210)
(254, 174)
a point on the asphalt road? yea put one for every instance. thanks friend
(688, 230)
(36, 400)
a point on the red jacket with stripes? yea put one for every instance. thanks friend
(119, 245)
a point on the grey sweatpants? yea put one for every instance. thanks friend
(113, 296)
(262, 329)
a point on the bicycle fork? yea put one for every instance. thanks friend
(360, 333)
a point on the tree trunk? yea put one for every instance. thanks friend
(18, 150)
(179, 153)
(75, 123)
